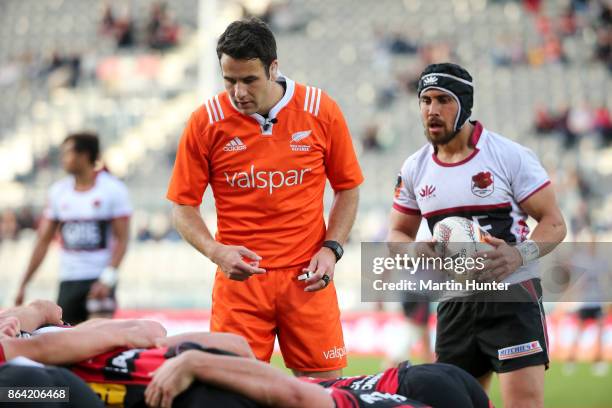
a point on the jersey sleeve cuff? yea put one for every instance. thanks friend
(348, 185)
(183, 201)
(406, 210)
(546, 183)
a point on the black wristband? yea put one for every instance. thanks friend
(335, 247)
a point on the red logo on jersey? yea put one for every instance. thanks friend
(97, 203)
(482, 184)
(427, 191)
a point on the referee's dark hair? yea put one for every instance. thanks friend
(248, 39)
(85, 142)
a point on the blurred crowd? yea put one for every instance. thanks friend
(573, 123)
(160, 32)
(13, 222)
(67, 67)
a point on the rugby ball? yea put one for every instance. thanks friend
(458, 237)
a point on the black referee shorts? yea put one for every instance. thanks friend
(482, 336)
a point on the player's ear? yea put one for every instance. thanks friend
(274, 70)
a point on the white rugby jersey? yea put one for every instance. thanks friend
(488, 187)
(85, 223)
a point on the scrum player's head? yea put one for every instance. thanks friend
(446, 97)
(247, 55)
(80, 151)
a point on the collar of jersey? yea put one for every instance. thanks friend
(475, 139)
(279, 105)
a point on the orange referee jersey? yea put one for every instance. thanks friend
(268, 179)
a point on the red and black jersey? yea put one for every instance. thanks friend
(122, 366)
(387, 382)
(346, 398)
(439, 385)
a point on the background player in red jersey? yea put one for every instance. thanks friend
(267, 146)
(468, 171)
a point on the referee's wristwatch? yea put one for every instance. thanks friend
(335, 247)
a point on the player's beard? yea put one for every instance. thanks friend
(441, 138)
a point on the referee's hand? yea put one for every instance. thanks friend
(237, 262)
(322, 264)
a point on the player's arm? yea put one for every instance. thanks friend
(80, 343)
(403, 228)
(254, 379)
(36, 314)
(120, 230)
(341, 220)
(222, 341)
(342, 215)
(548, 233)
(189, 223)
(46, 233)
(551, 228)
(193, 229)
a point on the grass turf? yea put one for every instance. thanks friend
(579, 390)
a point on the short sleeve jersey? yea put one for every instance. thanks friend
(487, 187)
(85, 223)
(267, 175)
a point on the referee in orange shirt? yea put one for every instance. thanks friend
(266, 146)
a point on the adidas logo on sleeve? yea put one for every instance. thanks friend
(234, 145)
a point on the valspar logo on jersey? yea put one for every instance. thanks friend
(336, 352)
(269, 180)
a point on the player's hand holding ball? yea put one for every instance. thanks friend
(425, 249)
(237, 262)
(501, 261)
(466, 244)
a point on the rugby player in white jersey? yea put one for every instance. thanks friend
(91, 211)
(468, 171)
